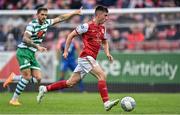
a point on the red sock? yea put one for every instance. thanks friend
(103, 90)
(57, 85)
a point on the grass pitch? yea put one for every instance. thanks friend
(90, 103)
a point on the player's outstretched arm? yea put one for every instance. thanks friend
(68, 42)
(66, 16)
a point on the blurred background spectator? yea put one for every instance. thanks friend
(135, 37)
(152, 31)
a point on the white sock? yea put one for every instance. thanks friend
(33, 80)
(45, 89)
(106, 103)
(20, 88)
(15, 96)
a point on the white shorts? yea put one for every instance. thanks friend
(85, 65)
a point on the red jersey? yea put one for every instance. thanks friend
(92, 36)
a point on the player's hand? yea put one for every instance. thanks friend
(109, 56)
(65, 54)
(41, 49)
(78, 12)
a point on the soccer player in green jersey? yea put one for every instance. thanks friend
(32, 38)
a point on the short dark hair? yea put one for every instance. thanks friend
(101, 8)
(41, 9)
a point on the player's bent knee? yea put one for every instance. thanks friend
(70, 83)
(102, 76)
(27, 77)
(38, 79)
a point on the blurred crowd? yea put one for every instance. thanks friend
(88, 4)
(150, 31)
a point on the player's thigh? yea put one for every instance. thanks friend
(35, 64)
(36, 73)
(26, 73)
(35, 69)
(23, 58)
(75, 77)
(98, 72)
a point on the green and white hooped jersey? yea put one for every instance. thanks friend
(37, 32)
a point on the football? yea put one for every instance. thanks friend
(128, 103)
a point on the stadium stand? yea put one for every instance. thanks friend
(160, 31)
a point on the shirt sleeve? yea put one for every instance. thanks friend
(83, 28)
(50, 22)
(29, 28)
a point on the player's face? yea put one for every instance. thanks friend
(42, 16)
(103, 17)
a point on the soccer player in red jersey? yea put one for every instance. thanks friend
(93, 34)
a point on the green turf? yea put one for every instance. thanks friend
(90, 103)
